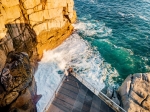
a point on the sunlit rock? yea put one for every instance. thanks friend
(135, 93)
(9, 3)
(30, 26)
(39, 15)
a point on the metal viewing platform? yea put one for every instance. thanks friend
(77, 95)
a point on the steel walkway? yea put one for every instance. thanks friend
(73, 96)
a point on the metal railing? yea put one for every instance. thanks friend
(101, 95)
(54, 94)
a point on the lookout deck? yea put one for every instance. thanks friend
(73, 96)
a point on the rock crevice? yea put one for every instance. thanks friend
(135, 93)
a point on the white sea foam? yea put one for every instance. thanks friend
(148, 1)
(77, 53)
(126, 15)
(143, 17)
(129, 51)
(122, 14)
(93, 27)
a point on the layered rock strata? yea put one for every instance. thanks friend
(48, 22)
(135, 93)
(17, 85)
(29, 26)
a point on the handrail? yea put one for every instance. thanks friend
(54, 94)
(101, 95)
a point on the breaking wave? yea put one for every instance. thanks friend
(77, 53)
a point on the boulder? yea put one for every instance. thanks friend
(135, 93)
(109, 92)
(115, 98)
(25, 102)
(15, 77)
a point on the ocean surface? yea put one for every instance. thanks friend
(111, 41)
(120, 32)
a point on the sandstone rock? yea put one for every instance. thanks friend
(40, 27)
(36, 17)
(6, 79)
(29, 26)
(70, 9)
(41, 15)
(48, 25)
(20, 37)
(24, 103)
(2, 59)
(70, 2)
(30, 11)
(55, 4)
(146, 103)
(70, 15)
(15, 77)
(45, 15)
(51, 37)
(2, 25)
(9, 98)
(135, 93)
(11, 13)
(125, 87)
(136, 97)
(6, 44)
(51, 13)
(73, 19)
(28, 4)
(9, 3)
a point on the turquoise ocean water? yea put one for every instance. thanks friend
(119, 30)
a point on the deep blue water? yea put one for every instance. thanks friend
(120, 31)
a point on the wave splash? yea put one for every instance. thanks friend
(93, 28)
(77, 53)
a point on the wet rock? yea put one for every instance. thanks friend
(135, 93)
(9, 98)
(115, 98)
(6, 79)
(110, 92)
(15, 77)
(24, 102)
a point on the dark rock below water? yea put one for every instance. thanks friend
(135, 93)
(17, 84)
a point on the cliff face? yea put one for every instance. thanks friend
(43, 24)
(17, 85)
(29, 26)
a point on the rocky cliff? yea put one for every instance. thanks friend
(42, 24)
(17, 85)
(27, 27)
(135, 93)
